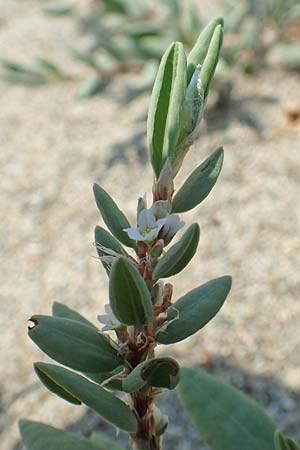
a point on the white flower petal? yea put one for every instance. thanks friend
(134, 234)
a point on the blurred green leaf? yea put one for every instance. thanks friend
(94, 86)
(112, 216)
(94, 396)
(129, 296)
(211, 60)
(38, 436)
(60, 10)
(199, 184)
(156, 372)
(73, 344)
(102, 442)
(225, 417)
(284, 443)
(179, 255)
(194, 310)
(166, 106)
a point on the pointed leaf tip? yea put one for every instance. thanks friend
(129, 296)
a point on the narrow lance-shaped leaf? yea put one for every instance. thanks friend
(61, 310)
(156, 372)
(199, 51)
(179, 255)
(225, 417)
(211, 60)
(199, 184)
(129, 296)
(284, 442)
(112, 216)
(194, 310)
(166, 106)
(94, 396)
(73, 344)
(38, 436)
(104, 242)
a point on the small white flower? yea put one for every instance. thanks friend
(170, 228)
(109, 319)
(148, 227)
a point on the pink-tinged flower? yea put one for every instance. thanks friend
(170, 228)
(109, 319)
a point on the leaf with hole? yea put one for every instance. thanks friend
(73, 344)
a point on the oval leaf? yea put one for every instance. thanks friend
(53, 386)
(225, 417)
(60, 310)
(94, 396)
(104, 240)
(199, 184)
(194, 310)
(199, 51)
(38, 436)
(129, 296)
(156, 372)
(166, 106)
(73, 344)
(102, 442)
(178, 257)
(112, 216)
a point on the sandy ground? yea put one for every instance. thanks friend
(53, 147)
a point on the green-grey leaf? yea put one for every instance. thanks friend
(156, 372)
(104, 239)
(199, 51)
(194, 310)
(199, 184)
(166, 106)
(61, 310)
(38, 436)
(211, 60)
(94, 396)
(109, 380)
(284, 442)
(53, 386)
(226, 418)
(112, 216)
(73, 344)
(179, 255)
(129, 296)
(102, 442)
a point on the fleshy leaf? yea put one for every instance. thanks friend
(179, 255)
(199, 184)
(53, 386)
(156, 372)
(225, 417)
(129, 296)
(112, 216)
(211, 60)
(194, 310)
(166, 106)
(94, 396)
(102, 442)
(104, 239)
(38, 436)
(73, 344)
(198, 53)
(284, 443)
(61, 310)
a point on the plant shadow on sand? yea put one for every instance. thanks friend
(280, 403)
